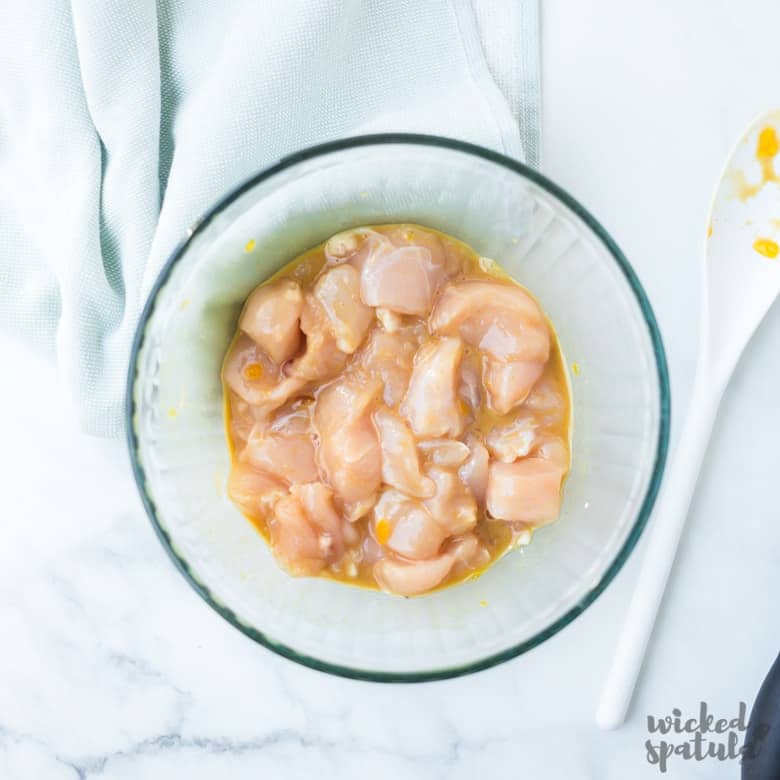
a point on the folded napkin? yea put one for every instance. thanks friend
(121, 122)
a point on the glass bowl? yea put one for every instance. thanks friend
(545, 240)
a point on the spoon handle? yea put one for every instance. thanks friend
(667, 524)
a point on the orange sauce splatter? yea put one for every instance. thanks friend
(767, 144)
(709, 230)
(766, 151)
(383, 531)
(253, 372)
(766, 247)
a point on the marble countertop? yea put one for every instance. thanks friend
(111, 667)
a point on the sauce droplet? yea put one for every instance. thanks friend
(253, 372)
(766, 247)
(250, 245)
(767, 148)
(383, 531)
(767, 143)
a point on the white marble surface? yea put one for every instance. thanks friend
(111, 667)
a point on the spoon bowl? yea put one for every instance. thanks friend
(742, 267)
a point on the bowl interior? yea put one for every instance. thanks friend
(619, 395)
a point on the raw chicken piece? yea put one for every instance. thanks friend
(255, 378)
(403, 281)
(400, 462)
(527, 491)
(356, 246)
(242, 419)
(355, 510)
(474, 472)
(444, 452)
(470, 385)
(298, 544)
(389, 356)
(546, 402)
(508, 384)
(293, 419)
(405, 526)
(500, 319)
(271, 316)
(338, 290)
(452, 506)
(509, 442)
(287, 457)
(349, 452)
(322, 359)
(414, 235)
(317, 501)
(370, 550)
(553, 449)
(431, 403)
(469, 552)
(412, 579)
(249, 372)
(254, 491)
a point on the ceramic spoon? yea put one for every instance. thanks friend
(742, 280)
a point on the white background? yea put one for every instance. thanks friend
(111, 667)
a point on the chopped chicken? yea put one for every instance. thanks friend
(403, 281)
(271, 318)
(552, 448)
(452, 505)
(389, 356)
(321, 359)
(286, 457)
(405, 526)
(474, 472)
(317, 502)
(356, 246)
(508, 384)
(249, 372)
(431, 402)
(515, 440)
(412, 579)
(444, 452)
(349, 452)
(500, 319)
(298, 544)
(526, 491)
(400, 462)
(253, 490)
(338, 290)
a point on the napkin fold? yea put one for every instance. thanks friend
(121, 122)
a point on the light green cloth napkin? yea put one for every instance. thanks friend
(121, 122)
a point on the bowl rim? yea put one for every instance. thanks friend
(413, 139)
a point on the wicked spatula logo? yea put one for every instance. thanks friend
(702, 737)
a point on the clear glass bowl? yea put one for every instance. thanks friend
(541, 236)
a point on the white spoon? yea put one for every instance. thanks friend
(742, 280)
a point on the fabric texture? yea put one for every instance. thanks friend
(121, 122)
